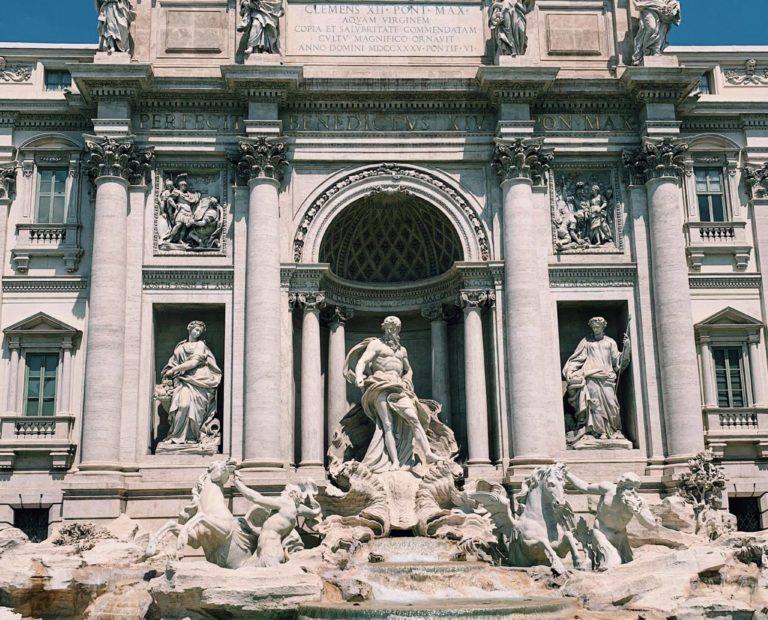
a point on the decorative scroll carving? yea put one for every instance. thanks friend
(7, 181)
(508, 25)
(656, 159)
(262, 158)
(585, 212)
(522, 159)
(748, 76)
(757, 180)
(656, 19)
(190, 221)
(396, 172)
(118, 158)
(14, 73)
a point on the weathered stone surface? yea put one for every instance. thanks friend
(640, 535)
(676, 514)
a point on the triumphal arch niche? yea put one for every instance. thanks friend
(405, 240)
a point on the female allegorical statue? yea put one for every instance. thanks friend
(508, 25)
(591, 374)
(115, 17)
(195, 378)
(261, 24)
(656, 18)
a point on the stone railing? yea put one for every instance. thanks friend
(41, 441)
(711, 238)
(23, 428)
(44, 240)
(739, 428)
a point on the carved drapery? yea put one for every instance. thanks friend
(118, 157)
(522, 159)
(656, 159)
(262, 158)
(757, 180)
(7, 181)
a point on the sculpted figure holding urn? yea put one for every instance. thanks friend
(508, 24)
(591, 374)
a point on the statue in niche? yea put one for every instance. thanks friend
(606, 542)
(194, 222)
(115, 17)
(585, 215)
(260, 23)
(656, 18)
(591, 375)
(391, 428)
(188, 393)
(508, 24)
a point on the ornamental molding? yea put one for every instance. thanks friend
(725, 282)
(118, 157)
(748, 75)
(522, 159)
(261, 158)
(436, 189)
(44, 285)
(58, 123)
(300, 106)
(656, 159)
(592, 276)
(187, 279)
(202, 101)
(14, 73)
(711, 124)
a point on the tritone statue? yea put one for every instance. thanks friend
(508, 23)
(656, 18)
(592, 374)
(188, 393)
(115, 18)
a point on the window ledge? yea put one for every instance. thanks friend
(46, 240)
(42, 435)
(744, 426)
(717, 238)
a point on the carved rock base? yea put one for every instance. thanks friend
(587, 442)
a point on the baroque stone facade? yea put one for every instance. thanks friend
(241, 173)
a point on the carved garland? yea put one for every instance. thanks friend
(396, 172)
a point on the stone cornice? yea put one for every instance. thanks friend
(118, 158)
(660, 84)
(104, 82)
(656, 159)
(521, 159)
(750, 281)
(592, 276)
(515, 84)
(262, 82)
(44, 285)
(201, 279)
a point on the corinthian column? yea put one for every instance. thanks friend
(441, 389)
(312, 400)
(521, 164)
(114, 164)
(337, 354)
(261, 162)
(473, 303)
(660, 165)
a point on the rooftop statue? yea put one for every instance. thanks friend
(115, 18)
(260, 25)
(656, 18)
(508, 24)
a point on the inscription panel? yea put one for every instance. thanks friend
(360, 29)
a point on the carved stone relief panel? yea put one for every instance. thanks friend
(191, 210)
(587, 209)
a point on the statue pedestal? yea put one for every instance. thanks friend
(115, 58)
(208, 448)
(663, 60)
(263, 59)
(587, 442)
(515, 61)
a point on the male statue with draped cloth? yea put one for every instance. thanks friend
(394, 427)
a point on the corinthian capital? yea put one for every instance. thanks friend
(757, 180)
(522, 159)
(262, 158)
(656, 159)
(7, 180)
(314, 300)
(477, 298)
(118, 157)
(338, 314)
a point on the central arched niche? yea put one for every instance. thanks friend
(390, 238)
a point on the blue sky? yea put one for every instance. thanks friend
(705, 22)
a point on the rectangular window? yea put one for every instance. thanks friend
(51, 196)
(729, 376)
(747, 512)
(710, 194)
(704, 87)
(57, 79)
(40, 384)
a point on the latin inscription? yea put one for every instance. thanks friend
(389, 122)
(189, 121)
(342, 29)
(584, 122)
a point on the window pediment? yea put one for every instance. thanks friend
(41, 324)
(729, 321)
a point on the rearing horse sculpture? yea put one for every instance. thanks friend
(541, 533)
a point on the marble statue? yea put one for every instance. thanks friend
(115, 17)
(260, 23)
(592, 373)
(265, 536)
(656, 18)
(541, 533)
(508, 24)
(585, 215)
(401, 430)
(193, 222)
(606, 542)
(189, 394)
(702, 487)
